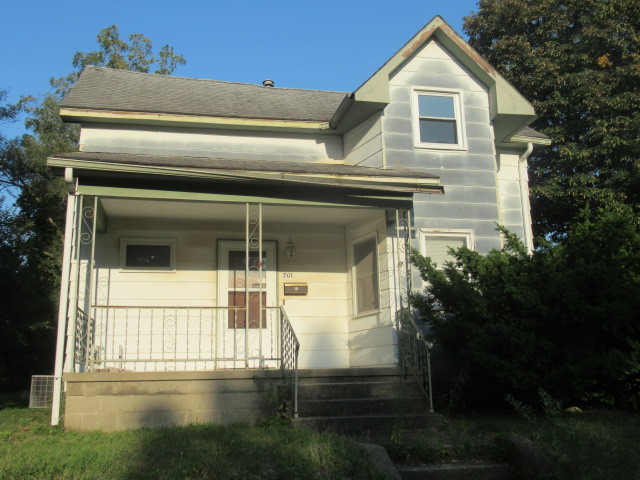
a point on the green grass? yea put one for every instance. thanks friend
(31, 449)
(588, 446)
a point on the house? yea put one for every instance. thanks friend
(215, 230)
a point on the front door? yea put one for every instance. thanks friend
(250, 321)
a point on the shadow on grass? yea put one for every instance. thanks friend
(266, 451)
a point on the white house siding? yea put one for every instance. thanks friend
(319, 319)
(200, 142)
(510, 194)
(372, 338)
(363, 145)
(468, 176)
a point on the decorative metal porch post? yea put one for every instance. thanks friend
(253, 274)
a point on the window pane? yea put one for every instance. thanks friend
(148, 256)
(237, 262)
(438, 131)
(436, 106)
(437, 247)
(366, 273)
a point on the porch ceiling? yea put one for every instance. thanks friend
(182, 210)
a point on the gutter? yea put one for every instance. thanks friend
(71, 114)
(399, 184)
(524, 198)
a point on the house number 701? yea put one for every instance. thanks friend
(287, 275)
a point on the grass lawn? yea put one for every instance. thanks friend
(31, 449)
(588, 446)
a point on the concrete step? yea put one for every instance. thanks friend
(361, 406)
(361, 425)
(336, 375)
(358, 389)
(458, 471)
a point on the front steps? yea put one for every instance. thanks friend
(379, 405)
(361, 402)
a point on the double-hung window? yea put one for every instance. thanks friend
(435, 243)
(437, 120)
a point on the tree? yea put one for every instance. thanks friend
(563, 319)
(32, 231)
(578, 62)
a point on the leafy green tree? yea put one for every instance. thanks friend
(32, 231)
(577, 61)
(136, 55)
(564, 319)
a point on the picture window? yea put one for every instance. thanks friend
(145, 254)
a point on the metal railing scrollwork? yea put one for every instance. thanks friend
(289, 350)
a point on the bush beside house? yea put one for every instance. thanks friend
(563, 319)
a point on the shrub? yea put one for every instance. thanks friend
(564, 319)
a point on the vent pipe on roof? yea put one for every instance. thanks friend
(268, 83)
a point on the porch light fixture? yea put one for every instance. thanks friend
(290, 250)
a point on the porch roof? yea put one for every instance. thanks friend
(337, 175)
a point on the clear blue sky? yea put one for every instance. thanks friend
(324, 44)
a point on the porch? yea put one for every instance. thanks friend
(235, 286)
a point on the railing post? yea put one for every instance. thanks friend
(63, 308)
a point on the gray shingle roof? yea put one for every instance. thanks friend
(531, 133)
(210, 163)
(121, 90)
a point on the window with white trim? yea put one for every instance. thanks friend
(435, 243)
(144, 254)
(437, 120)
(365, 273)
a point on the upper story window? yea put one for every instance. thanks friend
(437, 120)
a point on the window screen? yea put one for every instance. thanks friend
(366, 275)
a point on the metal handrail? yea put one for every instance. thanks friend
(289, 350)
(415, 353)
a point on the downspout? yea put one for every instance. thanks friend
(64, 296)
(524, 198)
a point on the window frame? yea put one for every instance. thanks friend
(356, 241)
(125, 242)
(456, 95)
(467, 234)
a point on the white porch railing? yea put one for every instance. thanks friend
(163, 338)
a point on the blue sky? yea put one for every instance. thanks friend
(325, 45)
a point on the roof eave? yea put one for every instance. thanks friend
(83, 115)
(397, 184)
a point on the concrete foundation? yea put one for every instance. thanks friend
(122, 400)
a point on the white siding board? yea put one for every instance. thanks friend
(480, 211)
(211, 143)
(374, 356)
(363, 144)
